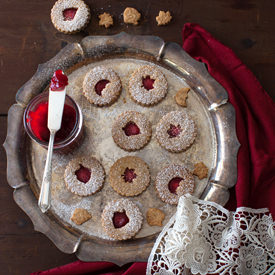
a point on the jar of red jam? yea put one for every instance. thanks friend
(35, 122)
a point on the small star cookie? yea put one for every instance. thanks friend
(80, 216)
(163, 18)
(155, 216)
(181, 96)
(131, 16)
(106, 20)
(201, 171)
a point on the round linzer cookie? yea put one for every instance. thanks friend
(101, 86)
(131, 131)
(176, 131)
(148, 85)
(70, 16)
(129, 176)
(174, 181)
(84, 176)
(121, 219)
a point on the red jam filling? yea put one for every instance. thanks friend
(120, 219)
(100, 85)
(83, 174)
(174, 131)
(59, 81)
(38, 122)
(129, 175)
(131, 129)
(69, 14)
(148, 83)
(174, 184)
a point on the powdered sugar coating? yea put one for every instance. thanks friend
(80, 20)
(138, 185)
(168, 173)
(111, 91)
(140, 94)
(95, 182)
(133, 213)
(134, 142)
(184, 139)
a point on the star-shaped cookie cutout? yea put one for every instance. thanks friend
(155, 216)
(201, 171)
(80, 216)
(106, 20)
(181, 96)
(163, 18)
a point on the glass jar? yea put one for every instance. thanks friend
(35, 123)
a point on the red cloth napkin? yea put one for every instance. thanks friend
(255, 123)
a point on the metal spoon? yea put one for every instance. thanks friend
(55, 112)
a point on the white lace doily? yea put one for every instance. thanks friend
(208, 239)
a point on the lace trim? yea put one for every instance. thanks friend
(208, 239)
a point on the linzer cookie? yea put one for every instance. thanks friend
(101, 86)
(176, 131)
(129, 176)
(148, 85)
(121, 219)
(174, 181)
(70, 16)
(131, 131)
(84, 176)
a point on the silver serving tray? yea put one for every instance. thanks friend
(94, 48)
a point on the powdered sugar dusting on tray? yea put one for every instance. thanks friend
(99, 143)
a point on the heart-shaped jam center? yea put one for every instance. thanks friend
(69, 14)
(131, 129)
(174, 131)
(120, 219)
(83, 174)
(148, 83)
(129, 175)
(174, 184)
(100, 85)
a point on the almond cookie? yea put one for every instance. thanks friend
(121, 219)
(84, 176)
(148, 85)
(129, 176)
(131, 131)
(106, 20)
(101, 86)
(176, 131)
(80, 216)
(70, 16)
(163, 18)
(201, 171)
(174, 181)
(131, 16)
(155, 217)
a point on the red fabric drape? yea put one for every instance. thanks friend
(255, 124)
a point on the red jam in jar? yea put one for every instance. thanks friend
(38, 121)
(35, 122)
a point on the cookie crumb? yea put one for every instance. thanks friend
(106, 20)
(155, 217)
(131, 16)
(181, 96)
(80, 216)
(163, 18)
(201, 171)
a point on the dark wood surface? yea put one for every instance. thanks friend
(27, 38)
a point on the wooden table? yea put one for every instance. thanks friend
(28, 38)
